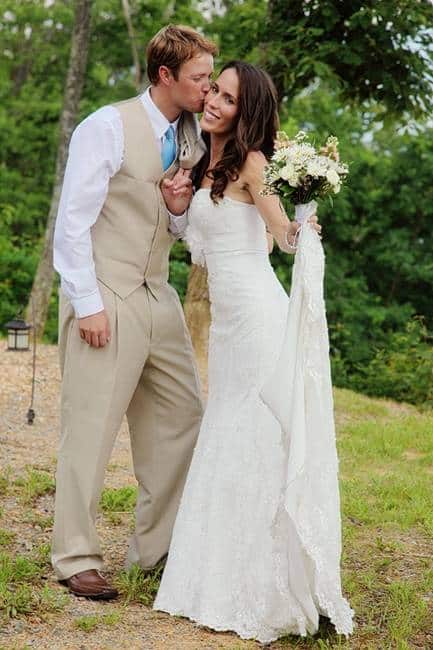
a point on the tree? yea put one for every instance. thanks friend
(301, 41)
(373, 50)
(43, 281)
(197, 314)
(138, 77)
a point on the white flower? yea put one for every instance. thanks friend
(287, 171)
(332, 177)
(271, 175)
(296, 162)
(315, 168)
(280, 155)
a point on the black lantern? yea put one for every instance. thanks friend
(18, 334)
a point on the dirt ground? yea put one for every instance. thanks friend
(133, 626)
(22, 445)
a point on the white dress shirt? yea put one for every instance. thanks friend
(95, 155)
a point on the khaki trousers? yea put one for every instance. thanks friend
(148, 372)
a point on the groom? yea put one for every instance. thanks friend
(124, 346)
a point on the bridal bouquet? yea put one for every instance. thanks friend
(299, 174)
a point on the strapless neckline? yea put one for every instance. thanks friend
(228, 198)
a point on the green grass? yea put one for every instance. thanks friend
(387, 471)
(117, 502)
(4, 481)
(137, 586)
(35, 483)
(90, 623)
(386, 476)
(21, 590)
(7, 538)
(45, 522)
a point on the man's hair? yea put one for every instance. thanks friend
(172, 46)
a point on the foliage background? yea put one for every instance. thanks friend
(378, 238)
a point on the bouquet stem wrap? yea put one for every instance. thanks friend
(303, 211)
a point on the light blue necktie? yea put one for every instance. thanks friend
(168, 152)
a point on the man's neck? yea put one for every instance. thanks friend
(164, 104)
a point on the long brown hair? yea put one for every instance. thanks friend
(255, 130)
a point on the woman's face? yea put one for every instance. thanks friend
(221, 104)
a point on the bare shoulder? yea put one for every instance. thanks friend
(255, 162)
(253, 167)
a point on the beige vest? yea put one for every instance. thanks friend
(131, 241)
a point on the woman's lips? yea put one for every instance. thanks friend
(209, 115)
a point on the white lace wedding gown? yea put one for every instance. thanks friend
(256, 544)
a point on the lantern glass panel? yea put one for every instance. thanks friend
(12, 343)
(22, 340)
(18, 338)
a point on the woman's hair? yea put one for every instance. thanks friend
(255, 128)
(172, 46)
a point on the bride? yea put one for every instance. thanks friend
(256, 545)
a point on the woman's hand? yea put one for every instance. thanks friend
(315, 224)
(293, 229)
(290, 238)
(177, 192)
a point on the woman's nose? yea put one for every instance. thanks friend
(212, 101)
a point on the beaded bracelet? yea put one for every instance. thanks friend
(293, 246)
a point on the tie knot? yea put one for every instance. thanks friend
(169, 134)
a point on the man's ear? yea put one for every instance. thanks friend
(165, 75)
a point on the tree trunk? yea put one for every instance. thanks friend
(43, 281)
(138, 77)
(197, 314)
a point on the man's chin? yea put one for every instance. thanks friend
(196, 108)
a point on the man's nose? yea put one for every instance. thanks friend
(206, 87)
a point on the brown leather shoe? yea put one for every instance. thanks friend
(90, 584)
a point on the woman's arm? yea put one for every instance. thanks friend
(270, 239)
(273, 214)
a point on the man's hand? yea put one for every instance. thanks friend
(177, 192)
(95, 329)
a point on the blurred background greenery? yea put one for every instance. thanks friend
(359, 70)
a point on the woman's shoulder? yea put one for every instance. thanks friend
(254, 165)
(255, 159)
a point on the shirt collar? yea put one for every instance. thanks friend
(158, 120)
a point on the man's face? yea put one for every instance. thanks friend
(189, 90)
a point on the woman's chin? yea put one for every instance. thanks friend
(205, 126)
